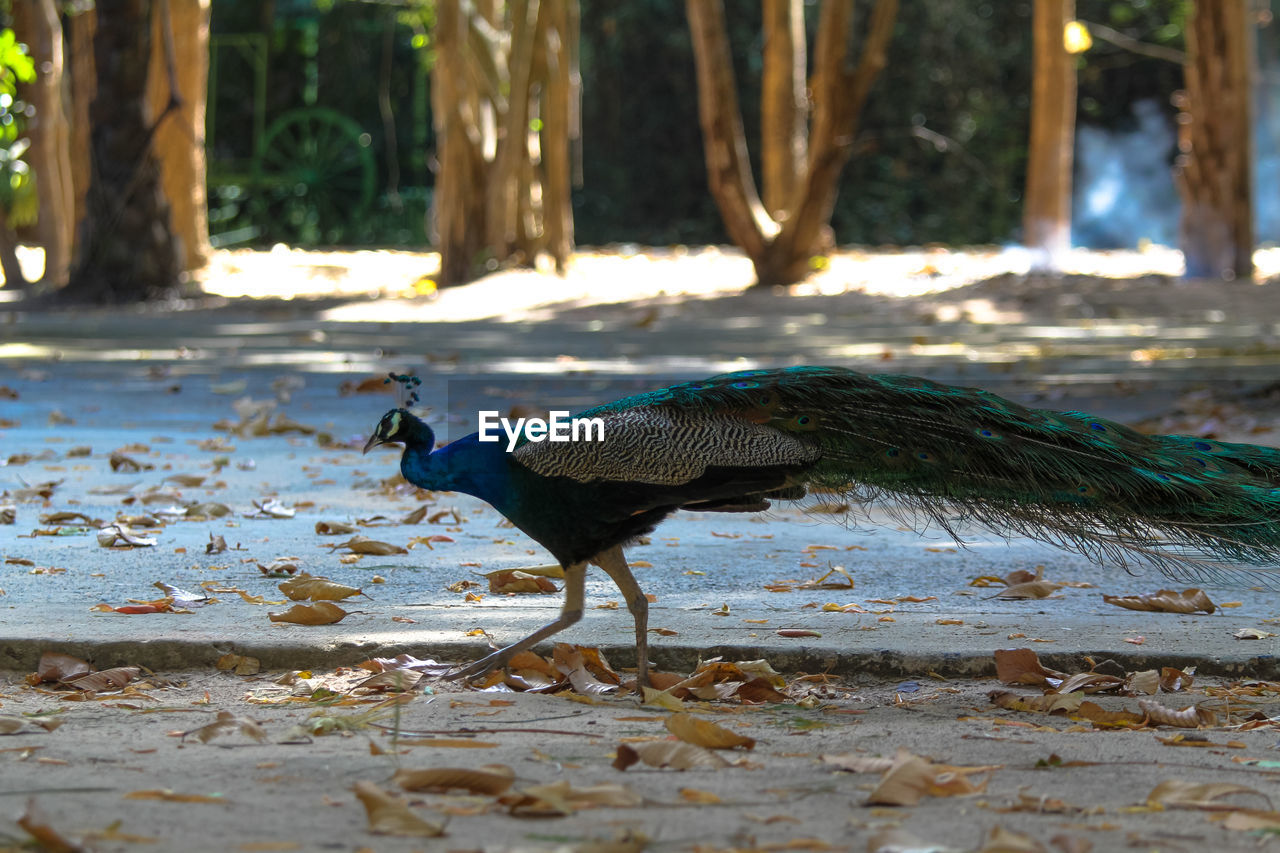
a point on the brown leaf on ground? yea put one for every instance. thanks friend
(561, 798)
(911, 778)
(490, 779)
(1022, 666)
(1174, 680)
(121, 462)
(216, 544)
(1252, 820)
(107, 679)
(1099, 716)
(55, 666)
(1090, 682)
(1029, 590)
(1165, 601)
(416, 515)
(239, 664)
(320, 613)
(390, 815)
(851, 763)
(1047, 704)
(226, 723)
(393, 680)
(303, 587)
(1185, 794)
(335, 528)
(49, 840)
(1001, 840)
(706, 734)
(515, 581)
(671, 754)
(365, 545)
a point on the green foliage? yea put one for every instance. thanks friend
(17, 183)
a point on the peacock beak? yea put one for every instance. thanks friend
(374, 441)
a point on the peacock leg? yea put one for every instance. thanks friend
(614, 563)
(574, 580)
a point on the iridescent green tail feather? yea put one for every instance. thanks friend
(1198, 509)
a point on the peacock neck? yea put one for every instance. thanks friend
(466, 465)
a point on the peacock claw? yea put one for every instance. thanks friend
(480, 667)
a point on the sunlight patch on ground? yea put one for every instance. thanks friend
(401, 283)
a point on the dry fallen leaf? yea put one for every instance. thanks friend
(239, 664)
(672, 754)
(49, 840)
(1036, 704)
(518, 582)
(561, 798)
(390, 815)
(1165, 601)
(107, 679)
(706, 734)
(1022, 666)
(303, 586)
(1029, 590)
(320, 613)
(55, 666)
(488, 779)
(1185, 794)
(1001, 840)
(911, 778)
(225, 723)
(120, 536)
(365, 545)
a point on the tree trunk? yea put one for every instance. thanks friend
(36, 23)
(782, 103)
(1046, 212)
(179, 139)
(504, 95)
(782, 245)
(84, 87)
(1213, 169)
(125, 250)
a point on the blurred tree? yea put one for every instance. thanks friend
(1214, 165)
(37, 24)
(1046, 212)
(505, 104)
(782, 235)
(125, 248)
(18, 202)
(176, 88)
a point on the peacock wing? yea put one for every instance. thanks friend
(665, 445)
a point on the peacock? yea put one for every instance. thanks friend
(1195, 508)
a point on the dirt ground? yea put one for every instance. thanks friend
(520, 771)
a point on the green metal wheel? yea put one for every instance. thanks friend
(316, 174)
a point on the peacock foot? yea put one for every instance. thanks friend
(486, 664)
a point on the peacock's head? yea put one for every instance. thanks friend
(401, 426)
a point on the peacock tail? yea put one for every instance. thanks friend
(1197, 509)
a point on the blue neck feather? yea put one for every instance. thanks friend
(465, 465)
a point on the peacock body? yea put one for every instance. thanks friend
(1194, 508)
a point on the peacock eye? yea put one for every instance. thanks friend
(803, 420)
